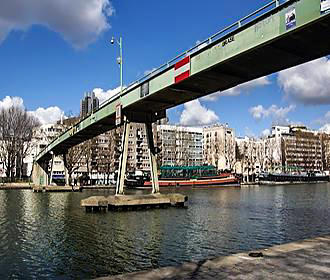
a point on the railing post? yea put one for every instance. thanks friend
(277, 3)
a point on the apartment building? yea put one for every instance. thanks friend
(138, 155)
(219, 146)
(302, 150)
(42, 136)
(250, 157)
(88, 104)
(325, 140)
(179, 145)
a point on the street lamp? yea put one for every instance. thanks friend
(119, 59)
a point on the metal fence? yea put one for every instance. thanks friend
(203, 44)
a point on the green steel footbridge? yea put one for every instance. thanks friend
(279, 35)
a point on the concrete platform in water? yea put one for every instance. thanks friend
(134, 202)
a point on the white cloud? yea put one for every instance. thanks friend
(325, 128)
(249, 133)
(277, 113)
(195, 114)
(246, 87)
(44, 115)
(324, 120)
(79, 21)
(48, 115)
(265, 133)
(11, 101)
(308, 83)
(103, 95)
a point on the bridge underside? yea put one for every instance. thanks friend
(260, 48)
(90, 132)
(292, 49)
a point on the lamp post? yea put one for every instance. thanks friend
(123, 157)
(119, 59)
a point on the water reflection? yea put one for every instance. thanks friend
(48, 236)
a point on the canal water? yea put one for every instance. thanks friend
(48, 235)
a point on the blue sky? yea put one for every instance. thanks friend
(52, 53)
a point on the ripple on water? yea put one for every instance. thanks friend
(48, 236)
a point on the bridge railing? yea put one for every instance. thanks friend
(240, 23)
(273, 4)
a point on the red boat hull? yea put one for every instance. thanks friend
(218, 181)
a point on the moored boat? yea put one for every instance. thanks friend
(284, 178)
(195, 176)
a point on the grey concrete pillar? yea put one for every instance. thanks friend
(152, 158)
(123, 159)
(66, 173)
(40, 173)
(51, 169)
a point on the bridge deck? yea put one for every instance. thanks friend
(264, 45)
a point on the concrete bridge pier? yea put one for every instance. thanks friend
(152, 158)
(66, 173)
(51, 168)
(123, 158)
(40, 173)
(147, 119)
(121, 202)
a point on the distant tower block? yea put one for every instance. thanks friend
(88, 104)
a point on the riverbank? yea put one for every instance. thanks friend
(275, 183)
(307, 259)
(99, 187)
(15, 186)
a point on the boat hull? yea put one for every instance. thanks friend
(289, 179)
(200, 182)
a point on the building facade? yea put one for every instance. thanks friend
(88, 104)
(42, 136)
(219, 147)
(302, 150)
(287, 149)
(325, 140)
(250, 158)
(182, 146)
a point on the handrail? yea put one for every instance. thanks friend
(195, 48)
(238, 24)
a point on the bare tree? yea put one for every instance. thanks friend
(76, 156)
(272, 153)
(230, 152)
(16, 130)
(260, 154)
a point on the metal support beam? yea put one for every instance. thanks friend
(152, 158)
(66, 174)
(123, 158)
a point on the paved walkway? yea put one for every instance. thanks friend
(307, 259)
